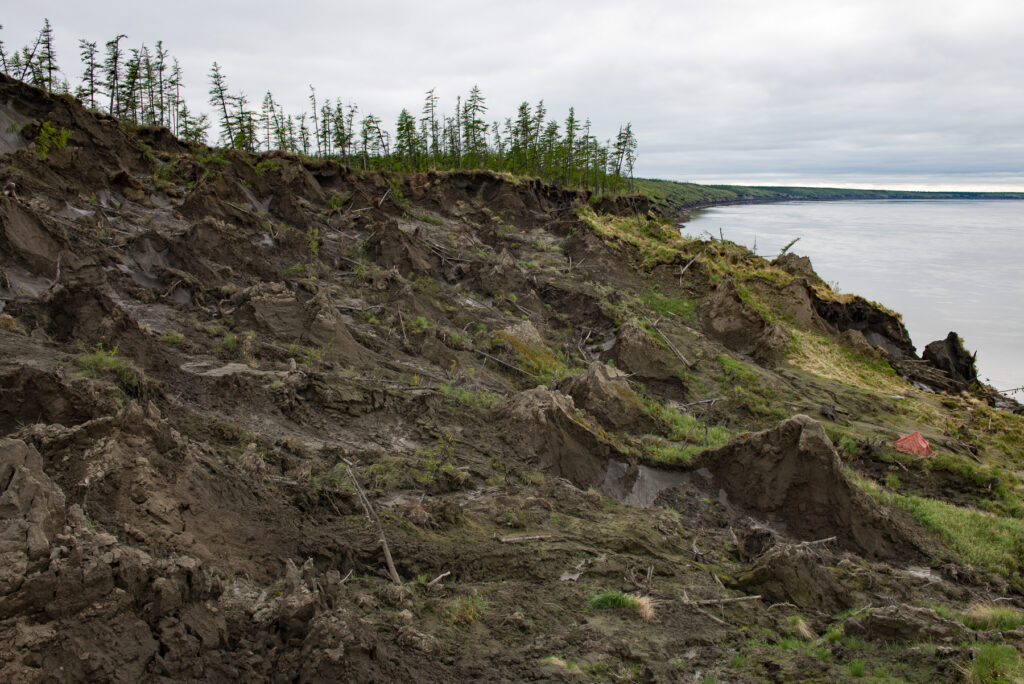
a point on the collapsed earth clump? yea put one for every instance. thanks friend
(271, 418)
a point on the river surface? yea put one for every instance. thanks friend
(943, 264)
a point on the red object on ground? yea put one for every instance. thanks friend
(913, 443)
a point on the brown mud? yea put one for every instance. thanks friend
(212, 363)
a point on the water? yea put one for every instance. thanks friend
(943, 264)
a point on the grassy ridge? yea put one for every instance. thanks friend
(673, 196)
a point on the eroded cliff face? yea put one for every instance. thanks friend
(216, 369)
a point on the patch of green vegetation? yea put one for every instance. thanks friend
(427, 218)
(164, 174)
(465, 610)
(534, 358)
(213, 164)
(613, 599)
(656, 239)
(100, 362)
(313, 240)
(334, 202)
(821, 356)
(229, 346)
(398, 196)
(744, 391)
(419, 324)
(51, 138)
(265, 165)
(172, 338)
(480, 399)
(857, 668)
(993, 663)
(295, 271)
(684, 307)
(987, 541)
(687, 436)
(989, 616)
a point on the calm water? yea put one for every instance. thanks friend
(944, 264)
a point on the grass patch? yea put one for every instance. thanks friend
(821, 356)
(994, 663)
(534, 358)
(857, 668)
(984, 540)
(684, 307)
(744, 392)
(612, 600)
(987, 616)
(172, 338)
(465, 610)
(656, 240)
(482, 400)
(104, 362)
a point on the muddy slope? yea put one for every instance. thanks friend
(224, 378)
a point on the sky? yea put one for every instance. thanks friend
(856, 93)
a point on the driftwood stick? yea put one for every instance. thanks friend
(713, 602)
(682, 271)
(372, 514)
(858, 611)
(503, 363)
(708, 615)
(671, 346)
(698, 403)
(534, 537)
(373, 307)
(439, 578)
(402, 322)
(826, 540)
(693, 604)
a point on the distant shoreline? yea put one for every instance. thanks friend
(680, 199)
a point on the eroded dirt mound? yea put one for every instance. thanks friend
(791, 476)
(393, 248)
(799, 266)
(636, 352)
(547, 424)
(904, 623)
(796, 575)
(604, 393)
(727, 318)
(274, 309)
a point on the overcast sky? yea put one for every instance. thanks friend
(893, 93)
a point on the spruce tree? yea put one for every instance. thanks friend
(220, 100)
(112, 72)
(87, 91)
(3, 55)
(47, 56)
(160, 65)
(430, 122)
